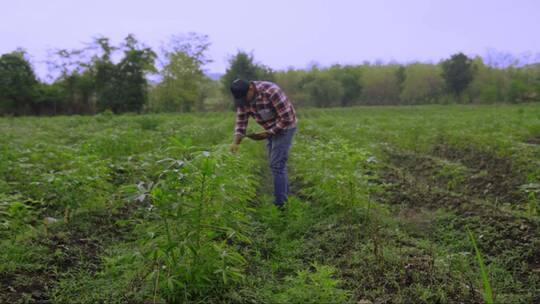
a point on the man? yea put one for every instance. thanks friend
(266, 102)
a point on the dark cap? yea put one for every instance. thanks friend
(239, 89)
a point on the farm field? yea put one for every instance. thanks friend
(423, 204)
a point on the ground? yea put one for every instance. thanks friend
(386, 204)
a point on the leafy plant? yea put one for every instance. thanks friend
(317, 286)
(488, 291)
(13, 211)
(192, 245)
(531, 190)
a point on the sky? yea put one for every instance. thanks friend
(282, 33)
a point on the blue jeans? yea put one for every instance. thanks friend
(278, 152)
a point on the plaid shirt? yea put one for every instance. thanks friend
(270, 108)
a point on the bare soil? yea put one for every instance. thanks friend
(69, 247)
(486, 181)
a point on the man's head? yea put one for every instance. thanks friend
(243, 92)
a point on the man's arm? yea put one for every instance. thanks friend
(241, 123)
(284, 109)
(240, 128)
(237, 139)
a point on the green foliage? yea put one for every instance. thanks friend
(149, 123)
(17, 83)
(182, 88)
(111, 77)
(344, 184)
(15, 212)
(122, 87)
(292, 81)
(324, 91)
(415, 83)
(199, 220)
(458, 72)
(160, 211)
(517, 90)
(50, 98)
(488, 292)
(318, 286)
(349, 77)
(422, 83)
(381, 84)
(532, 191)
(454, 174)
(243, 66)
(130, 78)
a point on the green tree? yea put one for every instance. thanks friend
(380, 84)
(180, 88)
(291, 82)
(79, 89)
(76, 78)
(265, 73)
(120, 87)
(422, 83)
(533, 71)
(324, 91)
(349, 78)
(489, 85)
(458, 73)
(50, 98)
(183, 81)
(17, 83)
(131, 76)
(243, 66)
(104, 72)
(401, 77)
(518, 90)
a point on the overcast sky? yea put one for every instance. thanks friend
(283, 33)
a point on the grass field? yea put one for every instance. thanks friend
(431, 204)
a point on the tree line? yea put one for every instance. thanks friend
(458, 79)
(106, 77)
(132, 77)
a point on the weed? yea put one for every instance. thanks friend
(488, 292)
(317, 286)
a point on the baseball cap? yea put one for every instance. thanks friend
(239, 89)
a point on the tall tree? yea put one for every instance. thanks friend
(183, 79)
(349, 78)
(74, 88)
(131, 76)
(120, 87)
(243, 66)
(458, 73)
(17, 83)
(105, 73)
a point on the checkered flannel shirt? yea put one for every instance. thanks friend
(270, 108)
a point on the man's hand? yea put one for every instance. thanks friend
(236, 143)
(259, 136)
(234, 147)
